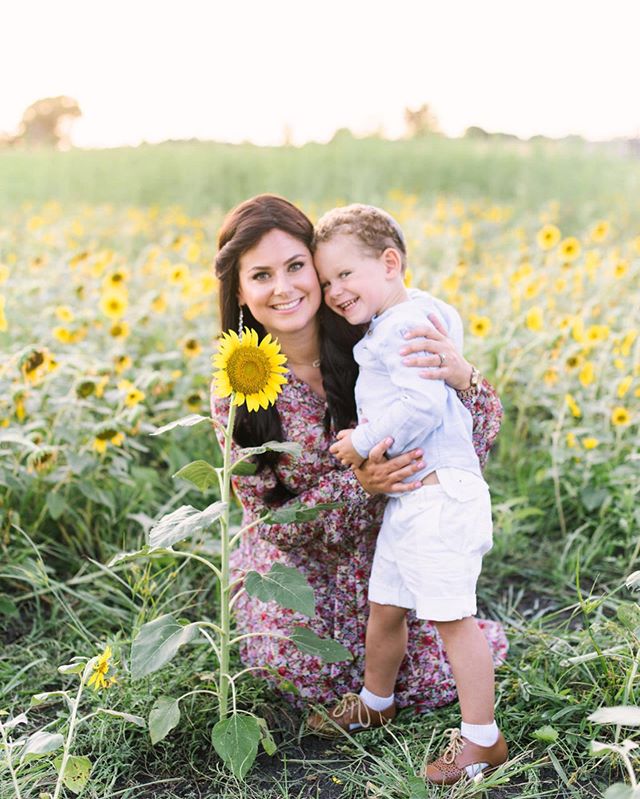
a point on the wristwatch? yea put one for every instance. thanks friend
(475, 382)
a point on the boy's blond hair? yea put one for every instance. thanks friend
(376, 229)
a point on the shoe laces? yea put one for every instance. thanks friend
(454, 747)
(346, 704)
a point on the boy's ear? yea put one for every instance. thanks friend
(392, 262)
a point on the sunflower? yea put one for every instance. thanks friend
(590, 443)
(480, 325)
(113, 304)
(101, 669)
(570, 248)
(249, 370)
(548, 237)
(620, 416)
(191, 348)
(600, 231)
(4, 325)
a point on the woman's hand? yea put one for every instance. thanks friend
(438, 354)
(379, 475)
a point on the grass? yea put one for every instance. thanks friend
(566, 519)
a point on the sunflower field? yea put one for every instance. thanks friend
(107, 328)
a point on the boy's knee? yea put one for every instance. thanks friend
(386, 615)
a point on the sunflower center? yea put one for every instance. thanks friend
(248, 370)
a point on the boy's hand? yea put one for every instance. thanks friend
(344, 451)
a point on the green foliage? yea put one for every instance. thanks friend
(284, 584)
(236, 740)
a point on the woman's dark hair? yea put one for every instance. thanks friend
(242, 229)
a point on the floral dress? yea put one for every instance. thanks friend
(335, 552)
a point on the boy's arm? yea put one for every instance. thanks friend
(420, 404)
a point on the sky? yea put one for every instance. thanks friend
(146, 70)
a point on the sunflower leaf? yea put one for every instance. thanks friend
(182, 523)
(295, 511)
(288, 447)
(200, 473)
(284, 584)
(326, 648)
(185, 421)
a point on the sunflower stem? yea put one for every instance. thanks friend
(225, 609)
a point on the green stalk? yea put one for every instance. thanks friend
(225, 610)
(72, 729)
(7, 752)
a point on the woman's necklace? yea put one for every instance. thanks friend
(315, 364)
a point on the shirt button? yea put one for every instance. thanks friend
(369, 332)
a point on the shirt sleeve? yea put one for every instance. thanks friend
(420, 405)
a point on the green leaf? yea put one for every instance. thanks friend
(7, 607)
(164, 716)
(95, 494)
(619, 791)
(284, 584)
(266, 739)
(49, 696)
(236, 741)
(416, 786)
(626, 715)
(182, 523)
(137, 720)
(200, 473)
(41, 743)
(326, 648)
(56, 505)
(185, 421)
(76, 773)
(73, 668)
(244, 468)
(295, 511)
(157, 643)
(288, 447)
(628, 614)
(546, 734)
(593, 498)
(136, 554)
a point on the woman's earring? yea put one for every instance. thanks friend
(240, 322)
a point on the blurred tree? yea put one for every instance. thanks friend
(421, 121)
(476, 132)
(47, 123)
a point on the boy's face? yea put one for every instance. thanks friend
(355, 285)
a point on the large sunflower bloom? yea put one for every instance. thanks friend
(249, 370)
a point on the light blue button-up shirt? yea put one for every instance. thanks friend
(395, 401)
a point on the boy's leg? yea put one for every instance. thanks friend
(479, 743)
(385, 648)
(472, 665)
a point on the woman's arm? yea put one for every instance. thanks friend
(332, 529)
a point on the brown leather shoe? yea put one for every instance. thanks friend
(349, 710)
(459, 753)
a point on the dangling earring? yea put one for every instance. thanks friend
(240, 322)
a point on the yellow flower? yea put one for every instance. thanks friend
(194, 402)
(101, 669)
(548, 237)
(179, 274)
(64, 313)
(193, 253)
(119, 330)
(408, 278)
(600, 231)
(551, 376)
(621, 268)
(4, 273)
(191, 348)
(122, 363)
(598, 333)
(535, 319)
(116, 281)
(107, 436)
(570, 248)
(62, 334)
(624, 385)
(35, 364)
(248, 370)
(480, 325)
(587, 374)
(560, 285)
(573, 405)
(571, 440)
(451, 284)
(159, 305)
(4, 325)
(620, 416)
(590, 442)
(134, 396)
(113, 304)
(625, 347)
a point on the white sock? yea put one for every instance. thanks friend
(374, 702)
(483, 735)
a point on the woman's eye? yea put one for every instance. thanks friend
(345, 274)
(260, 275)
(294, 267)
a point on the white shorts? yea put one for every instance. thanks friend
(430, 546)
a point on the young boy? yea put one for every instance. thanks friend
(430, 546)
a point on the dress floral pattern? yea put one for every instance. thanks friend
(335, 552)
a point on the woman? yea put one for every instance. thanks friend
(268, 283)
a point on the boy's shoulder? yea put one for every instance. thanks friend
(430, 304)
